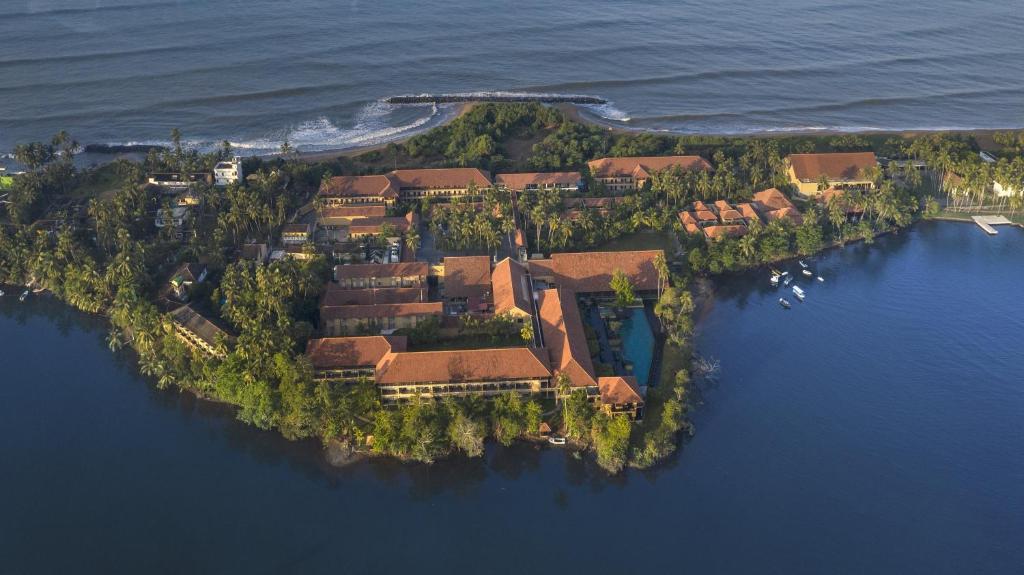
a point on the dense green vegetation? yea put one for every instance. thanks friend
(111, 258)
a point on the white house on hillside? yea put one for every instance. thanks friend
(228, 172)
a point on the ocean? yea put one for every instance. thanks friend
(874, 428)
(256, 72)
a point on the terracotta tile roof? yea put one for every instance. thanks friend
(686, 218)
(359, 187)
(520, 238)
(440, 178)
(373, 226)
(405, 269)
(526, 180)
(722, 205)
(471, 365)
(772, 199)
(619, 390)
(717, 232)
(643, 166)
(564, 338)
(748, 211)
(341, 352)
(350, 212)
(591, 272)
(700, 206)
(706, 216)
(791, 214)
(839, 167)
(729, 214)
(511, 287)
(328, 313)
(468, 276)
(335, 296)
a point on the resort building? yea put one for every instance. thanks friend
(572, 208)
(842, 170)
(292, 234)
(335, 296)
(510, 282)
(482, 372)
(356, 190)
(199, 333)
(350, 319)
(389, 226)
(620, 394)
(439, 182)
(350, 359)
(722, 220)
(591, 272)
(227, 172)
(361, 276)
(565, 182)
(466, 281)
(623, 175)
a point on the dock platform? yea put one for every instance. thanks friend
(987, 222)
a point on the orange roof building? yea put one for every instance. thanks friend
(483, 372)
(591, 272)
(772, 204)
(439, 182)
(344, 190)
(521, 182)
(511, 289)
(335, 296)
(377, 226)
(361, 276)
(620, 175)
(843, 170)
(350, 358)
(621, 395)
(467, 277)
(564, 338)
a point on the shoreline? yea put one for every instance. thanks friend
(572, 112)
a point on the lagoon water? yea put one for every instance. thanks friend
(875, 428)
(257, 71)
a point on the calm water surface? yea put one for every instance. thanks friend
(875, 428)
(257, 71)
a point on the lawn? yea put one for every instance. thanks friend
(643, 240)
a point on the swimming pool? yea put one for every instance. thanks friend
(638, 344)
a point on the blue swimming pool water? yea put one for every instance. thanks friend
(638, 344)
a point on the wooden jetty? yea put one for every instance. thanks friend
(987, 222)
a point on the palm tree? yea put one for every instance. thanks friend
(661, 266)
(563, 387)
(748, 246)
(412, 241)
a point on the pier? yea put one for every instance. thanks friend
(458, 98)
(987, 222)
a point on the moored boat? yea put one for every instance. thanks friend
(775, 280)
(784, 303)
(788, 280)
(802, 264)
(24, 296)
(808, 273)
(798, 291)
(821, 279)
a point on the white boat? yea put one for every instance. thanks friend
(1, 293)
(784, 274)
(788, 280)
(24, 295)
(775, 280)
(802, 264)
(798, 291)
(799, 296)
(808, 273)
(553, 440)
(821, 279)
(784, 303)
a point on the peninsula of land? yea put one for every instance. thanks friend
(514, 275)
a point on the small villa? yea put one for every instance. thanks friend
(622, 175)
(724, 220)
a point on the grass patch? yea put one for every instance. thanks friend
(643, 240)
